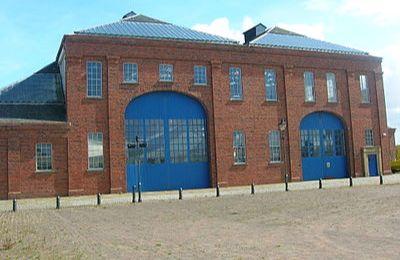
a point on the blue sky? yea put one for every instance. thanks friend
(31, 30)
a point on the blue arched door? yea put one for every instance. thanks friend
(323, 148)
(173, 127)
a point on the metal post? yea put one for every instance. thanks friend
(133, 194)
(351, 181)
(14, 205)
(381, 179)
(286, 183)
(320, 183)
(98, 199)
(58, 202)
(180, 194)
(139, 192)
(217, 190)
(252, 189)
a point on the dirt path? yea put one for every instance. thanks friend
(344, 223)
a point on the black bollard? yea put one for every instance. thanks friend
(381, 179)
(98, 199)
(320, 183)
(139, 192)
(286, 183)
(133, 194)
(252, 189)
(58, 204)
(180, 194)
(351, 181)
(14, 205)
(217, 190)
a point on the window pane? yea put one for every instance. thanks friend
(197, 140)
(200, 75)
(310, 143)
(331, 87)
(166, 72)
(274, 146)
(369, 137)
(364, 89)
(94, 79)
(328, 142)
(133, 129)
(309, 86)
(270, 85)
(178, 140)
(239, 147)
(130, 72)
(43, 157)
(95, 150)
(339, 143)
(235, 83)
(155, 151)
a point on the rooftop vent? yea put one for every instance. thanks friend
(130, 14)
(254, 32)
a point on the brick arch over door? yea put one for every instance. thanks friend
(174, 128)
(323, 146)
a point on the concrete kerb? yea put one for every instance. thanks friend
(107, 199)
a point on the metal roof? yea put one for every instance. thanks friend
(280, 38)
(38, 97)
(140, 26)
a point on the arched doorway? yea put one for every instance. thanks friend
(174, 128)
(323, 147)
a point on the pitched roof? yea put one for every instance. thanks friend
(141, 26)
(38, 97)
(276, 37)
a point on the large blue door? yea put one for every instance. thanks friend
(323, 149)
(372, 165)
(173, 126)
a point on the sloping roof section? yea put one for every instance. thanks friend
(276, 37)
(38, 97)
(141, 26)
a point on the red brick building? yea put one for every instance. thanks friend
(142, 100)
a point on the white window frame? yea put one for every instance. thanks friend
(239, 148)
(235, 83)
(331, 87)
(92, 138)
(162, 71)
(267, 73)
(199, 70)
(364, 88)
(274, 142)
(369, 137)
(134, 68)
(38, 156)
(309, 90)
(89, 81)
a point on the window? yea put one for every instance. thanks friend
(310, 143)
(166, 72)
(44, 157)
(134, 128)
(239, 148)
(274, 146)
(369, 137)
(309, 92)
(339, 143)
(270, 85)
(155, 141)
(364, 89)
(93, 78)
(200, 75)
(197, 140)
(130, 73)
(178, 142)
(331, 87)
(95, 151)
(235, 83)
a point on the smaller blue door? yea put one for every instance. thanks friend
(372, 165)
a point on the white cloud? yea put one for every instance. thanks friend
(316, 31)
(222, 27)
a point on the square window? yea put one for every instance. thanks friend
(130, 72)
(166, 72)
(200, 75)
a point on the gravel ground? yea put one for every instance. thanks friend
(344, 223)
